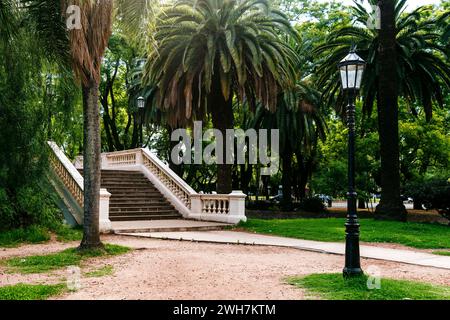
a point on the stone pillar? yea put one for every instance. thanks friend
(237, 206)
(105, 223)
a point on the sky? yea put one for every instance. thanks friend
(412, 4)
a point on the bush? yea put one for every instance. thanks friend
(312, 204)
(29, 205)
(433, 194)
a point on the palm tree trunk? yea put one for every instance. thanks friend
(390, 207)
(222, 119)
(91, 166)
(286, 179)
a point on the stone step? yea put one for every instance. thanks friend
(118, 181)
(135, 201)
(149, 205)
(159, 209)
(137, 195)
(134, 197)
(144, 217)
(131, 187)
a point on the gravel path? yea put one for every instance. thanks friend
(160, 269)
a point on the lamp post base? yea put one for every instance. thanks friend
(352, 272)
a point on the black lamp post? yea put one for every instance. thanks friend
(141, 107)
(351, 69)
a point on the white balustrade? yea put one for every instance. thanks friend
(73, 183)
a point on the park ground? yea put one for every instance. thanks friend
(164, 269)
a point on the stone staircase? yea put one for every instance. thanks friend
(138, 193)
(134, 197)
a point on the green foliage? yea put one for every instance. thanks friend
(335, 287)
(30, 291)
(417, 235)
(39, 234)
(68, 257)
(31, 234)
(29, 204)
(26, 118)
(65, 233)
(433, 193)
(312, 204)
(422, 63)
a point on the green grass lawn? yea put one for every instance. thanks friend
(412, 234)
(30, 292)
(38, 234)
(335, 287)
(68, 257)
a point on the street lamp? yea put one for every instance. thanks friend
(141, 106)
(351, 70)
(141, 103)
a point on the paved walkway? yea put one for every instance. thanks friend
(167, 225)
(372, 252)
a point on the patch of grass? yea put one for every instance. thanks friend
(101, 272)
(65, 258)
(30, 292)
(335, 287)
(32, 234)
(64, 233)
(412, 234)
(39, 234)
(442, 253)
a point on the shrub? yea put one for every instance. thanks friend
(313, 204)
(28, 205)
(433, 194)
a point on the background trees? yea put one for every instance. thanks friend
(405, 57)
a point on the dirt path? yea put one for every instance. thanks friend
(160, 269)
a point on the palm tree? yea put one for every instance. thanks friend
(210, 51)
(84, 49)
(299, 121)
(413, 65)
(87, 46)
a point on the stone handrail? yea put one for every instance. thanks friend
(73, 182)
(66, 172)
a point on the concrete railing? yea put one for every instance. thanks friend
(69, 184)
(229, 208)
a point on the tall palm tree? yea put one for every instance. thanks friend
(300, 123)
(210, 51)
(84, 49)
(87, 46)
(404, 58)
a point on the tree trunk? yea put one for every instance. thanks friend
(390, 207)
(361, 203)
(91, 166)
(222, 119)
(175, 167)
(286, 179)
